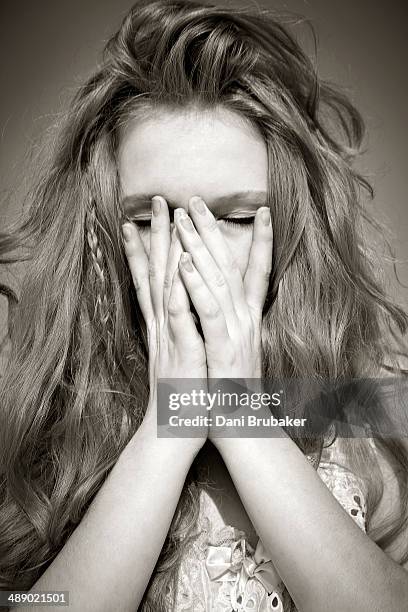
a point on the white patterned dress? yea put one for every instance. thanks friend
(222, 572)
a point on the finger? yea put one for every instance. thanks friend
(172, 265)
(208, 270)
(212, 318)
(139, 268)
(180, 320)
(208, 229)
(159, 249)
(257, 275)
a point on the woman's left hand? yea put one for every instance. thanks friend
(229, 306)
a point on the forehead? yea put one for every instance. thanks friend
(179, 154)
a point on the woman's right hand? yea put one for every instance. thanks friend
(176, 349)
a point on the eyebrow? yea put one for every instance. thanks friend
(251, 196)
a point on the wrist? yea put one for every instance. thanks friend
(182, 448)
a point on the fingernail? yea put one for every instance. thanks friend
(187, 223)
(186, 262)
(198, 205)
(179, 213)
(266, 216)
(127, 231)
(156, 205)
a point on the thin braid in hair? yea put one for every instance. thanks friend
(101, 303)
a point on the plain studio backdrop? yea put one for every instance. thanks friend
(48, 47)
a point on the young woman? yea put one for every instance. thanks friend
(200, 218)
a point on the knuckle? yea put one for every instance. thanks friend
(219, 280)
(137, 282)
(212, 311)
(155, 228)
(167, 281)
(152, 270)
(262, 272)
(173, 309)
(265, 274)
(153, 330)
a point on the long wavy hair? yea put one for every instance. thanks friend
(75, 388)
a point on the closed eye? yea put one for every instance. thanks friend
(144, 224)
(239, 221)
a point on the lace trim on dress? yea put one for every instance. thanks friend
(222, 572)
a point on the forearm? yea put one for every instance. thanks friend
(322, 556)
(108, 560)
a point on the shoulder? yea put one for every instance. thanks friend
(353, 490)
(359, 461)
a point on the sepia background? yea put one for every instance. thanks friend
(49, 46)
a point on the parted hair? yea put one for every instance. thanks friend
(76, 386)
